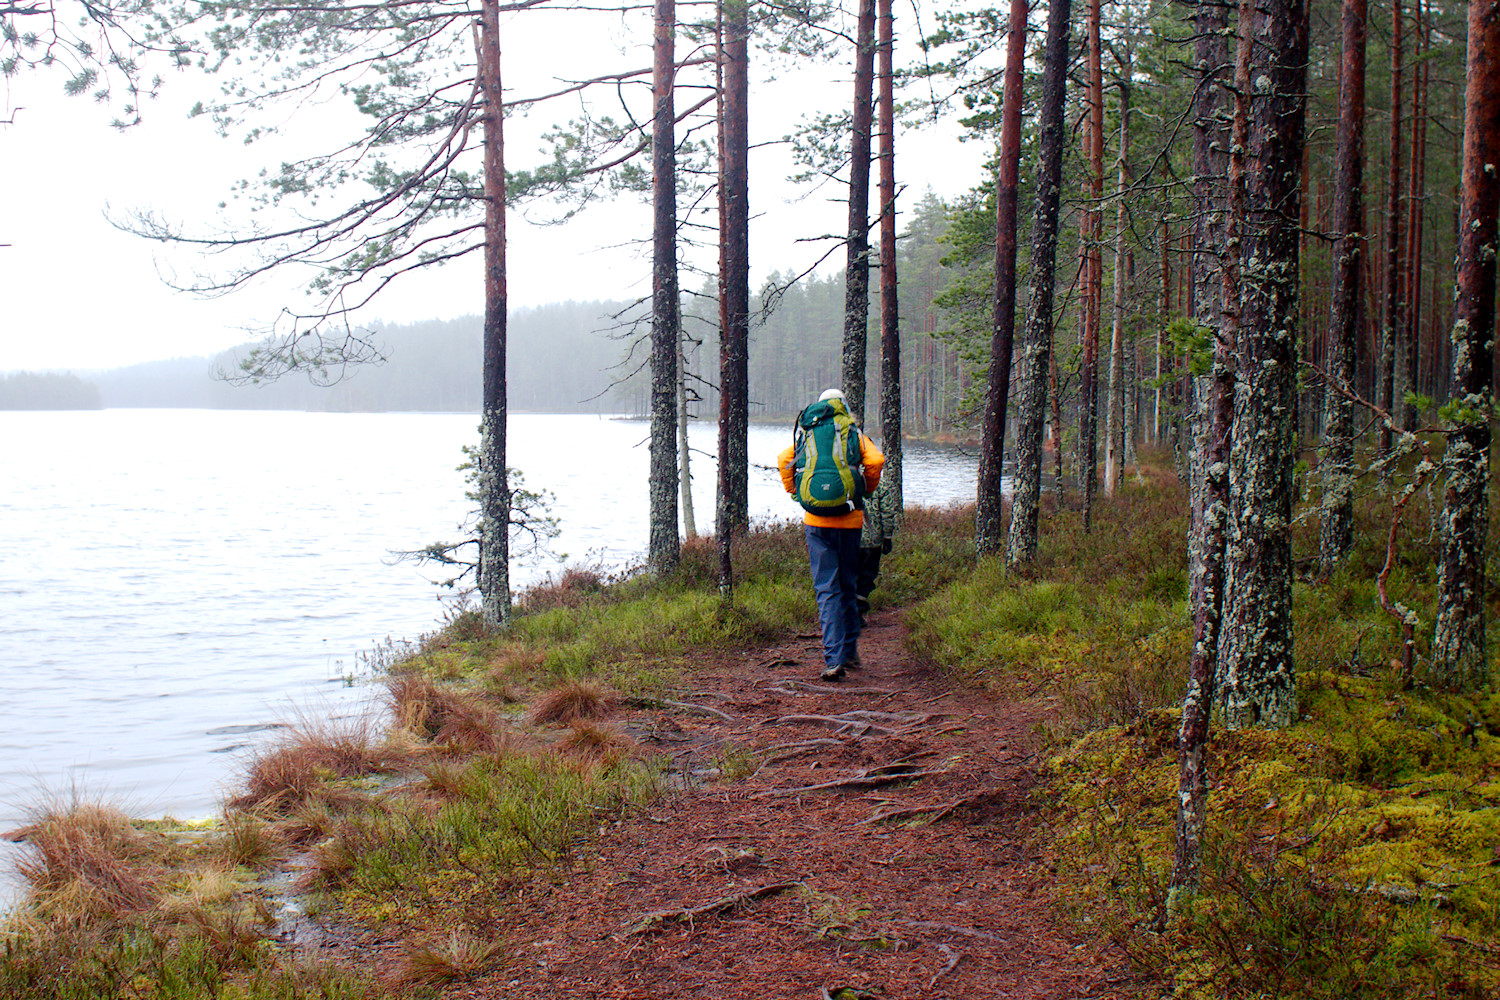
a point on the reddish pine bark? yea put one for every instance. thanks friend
(1392, 310)
(1348, 225)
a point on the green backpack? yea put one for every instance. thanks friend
(829, 479)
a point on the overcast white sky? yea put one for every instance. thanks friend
(77, 294)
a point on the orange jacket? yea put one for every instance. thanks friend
(872, 460)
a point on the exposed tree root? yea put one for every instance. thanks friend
(683, 705)
(655, 920)
(793, 686)
(953, 956)
(862, 722)
(872, 778)
(933, 925)
(937, 810)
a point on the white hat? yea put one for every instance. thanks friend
(831, 394)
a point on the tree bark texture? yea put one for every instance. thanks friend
(1337, 465)
(494, 477)
(1035, 368)
(857, 268)
(664, 547)
(734, 285)
(989, 533)
(1391, 313)
(1458, 645)
(1205, 306)
(1114, 423)
(684, 450)
(890, 332)
(1256, 670)
(1416, 174)
(1210, 527)
(1088, 392)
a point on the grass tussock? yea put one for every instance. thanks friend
(310, 760)
(573, 702)
(442, 715)
(1351, 855)
(591, 742)
(457, 956)
(88, 862)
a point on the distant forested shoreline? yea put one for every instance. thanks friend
(48, 391)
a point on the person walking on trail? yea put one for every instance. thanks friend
(830, 467)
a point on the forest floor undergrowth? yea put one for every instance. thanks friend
(876, 836)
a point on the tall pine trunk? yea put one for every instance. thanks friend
(1392, 309)
(1115, 420)
(1204, 285)
(1035, 369)
(890, 333)
(1458, 645)
(1088, 405)
(1256, 671)
(1210, 527)
(857, 267)
(494, 477)
(1337, 466)
(666, 323)
(734, 284)
(989, 534)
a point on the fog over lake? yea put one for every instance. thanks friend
(175, 583)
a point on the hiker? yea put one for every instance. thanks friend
(875, 536)
(829, 468)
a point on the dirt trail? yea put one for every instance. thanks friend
(951, 902)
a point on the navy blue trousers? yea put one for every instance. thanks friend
(833, 554)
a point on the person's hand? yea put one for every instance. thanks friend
(885, 545)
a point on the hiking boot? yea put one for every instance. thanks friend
(833, 673)
(854, 662)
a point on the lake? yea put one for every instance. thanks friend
(175, 583)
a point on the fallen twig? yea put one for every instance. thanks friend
(653, 921)
(952, 956)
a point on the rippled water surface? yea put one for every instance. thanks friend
(174, 583)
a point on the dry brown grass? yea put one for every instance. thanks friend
(247, 839)
(443, 716)
(573, 701)
(594, 742)
(309, 756)
(88, 862)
